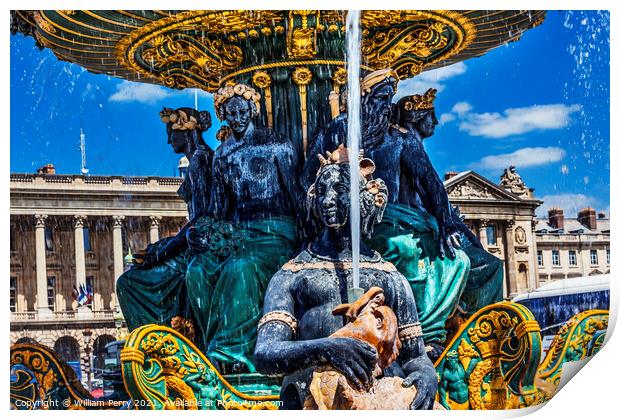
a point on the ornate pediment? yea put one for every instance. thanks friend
(469, 190)
(471, 186)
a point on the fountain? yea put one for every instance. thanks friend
(278, 79)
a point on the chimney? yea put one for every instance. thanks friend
(601, 214)
(449, 175)
(556, 218)
(47, 169)
(587, 217)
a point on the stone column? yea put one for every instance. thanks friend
(510, 259)
(80, 261)
(43, 310)
(154, 230)
(483, 233)
(117, 245)
(117, 252)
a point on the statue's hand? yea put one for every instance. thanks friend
(353, 358)
(424, 378)
(448, 242)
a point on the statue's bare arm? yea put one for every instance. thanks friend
(434, 197)
(277, 351)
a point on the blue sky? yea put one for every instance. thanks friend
(541, 103)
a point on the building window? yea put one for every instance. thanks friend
(593, 257)
(13, 286)
(491, 238)
(49, 239)
(51, 292)
(607, 251)
(572, 257)
(555, 257)
(539, 254)
(87, 247)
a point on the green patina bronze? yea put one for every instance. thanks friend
(492, 360)
(164, 370)
(407, 238)
(484, 284)
(226, 297)
(219, 285)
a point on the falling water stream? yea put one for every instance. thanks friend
(353, 58)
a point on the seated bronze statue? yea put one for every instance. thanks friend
(153, 291)
(253, 191)
(416, 113)
(295, 332)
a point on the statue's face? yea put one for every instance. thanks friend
(333, 196)
(178, 139)
(238, 114)
(427, 124)
(452, 359)
(377, 109)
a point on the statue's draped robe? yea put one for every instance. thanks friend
(485, 281)
(226, 297)
(407, 237)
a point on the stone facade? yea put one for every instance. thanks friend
(503, 220)
(572, 247)
(69, 231)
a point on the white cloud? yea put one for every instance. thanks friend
(146, 93)
(139, 92)
(515, 121)
(461, 108)
(429, 79)
(446, 118)
(522, 158)
(570, 203)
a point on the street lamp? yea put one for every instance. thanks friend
(87, 334)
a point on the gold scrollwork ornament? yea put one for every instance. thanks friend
(263, 81)
(302, 77)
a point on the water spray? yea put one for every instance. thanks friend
(353, 58)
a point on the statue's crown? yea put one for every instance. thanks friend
(225, 93)
(420, 102)
(180, 119)
(341, 155)
(376, 77)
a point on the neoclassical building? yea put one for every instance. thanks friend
(573, 247)
(69, 231)
(503, 217)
